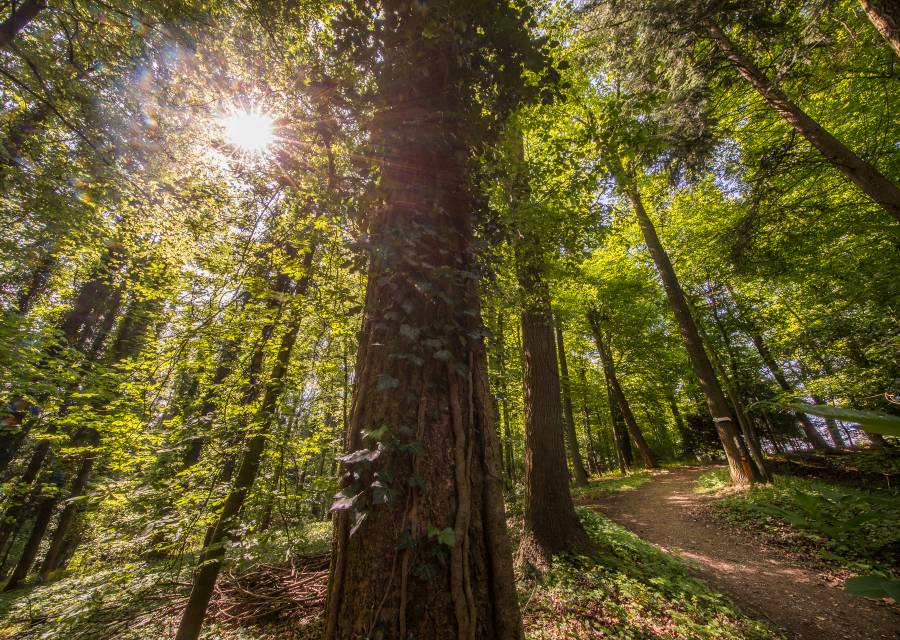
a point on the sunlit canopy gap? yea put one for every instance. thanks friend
(248, 131)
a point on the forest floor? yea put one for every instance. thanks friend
(771, 584)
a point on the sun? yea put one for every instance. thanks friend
(249, 131)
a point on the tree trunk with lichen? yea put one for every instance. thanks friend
(420, 546)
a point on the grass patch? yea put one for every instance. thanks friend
(858, 529)
(611, 483)
(631, 590)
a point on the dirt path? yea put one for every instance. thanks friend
(764, 582)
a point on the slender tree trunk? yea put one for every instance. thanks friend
(741, 468)
(41, 521)
(15, 510)
(858, 171)
(214, 552)
(686, 444)
(266, 518)
(580, 474)
(831, 424)
(504, 399)
(21, 16)
(620, 433)
(36, 284)
(751, 438)
(421, 549)
(551, 524)
(885, 15)
(647, 454)
(54, 552)
(591, 448)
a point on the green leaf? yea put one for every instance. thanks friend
(385, 382)
(873, 587)
(872, 421)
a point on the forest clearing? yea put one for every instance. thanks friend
(449, 319)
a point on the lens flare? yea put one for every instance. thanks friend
(250, 131)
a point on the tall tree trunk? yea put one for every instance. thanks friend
(210, 561)
(21, 16)
(686, 445)
(551, 524)
(647, 455)
(885, 15)
(266, 517)
(37, 282)
(42, 518)
(498, 350)
(730, 379)
(53, 558)
(580, 474)
(620, 432)
(15, 510)
(421, 549)
(591, 448)
(858, 171)
(504, 400)
(741, 468)
(832, 426)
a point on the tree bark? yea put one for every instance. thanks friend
(580, 474)
(748, 428)
(551, 525)
(858, 171)
(420, 549)
(20, 18)
(504, 400)
(741, 469)
(885, 15)
(647, 454)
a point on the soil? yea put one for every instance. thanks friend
(767, 583)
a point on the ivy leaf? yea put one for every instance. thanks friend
(342, 502)
(446, 536)
(360, 455)
(376, 434)
(381, 493)
(384, 382)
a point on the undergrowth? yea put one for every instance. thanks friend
(857, 529)
(627, 590)
(630, 590)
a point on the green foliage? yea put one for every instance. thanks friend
(848, 526)
(628, 589)
(872, 421)
(874, 587)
